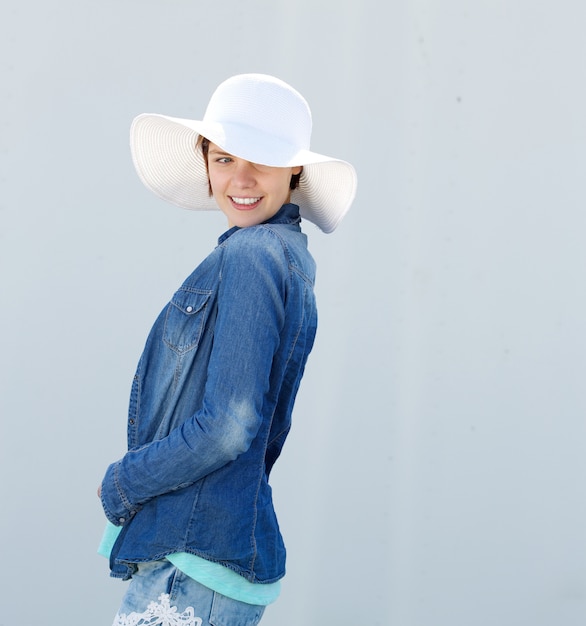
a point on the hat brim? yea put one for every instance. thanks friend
(167, 162)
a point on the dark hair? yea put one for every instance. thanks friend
(204, 145)
(294, 183)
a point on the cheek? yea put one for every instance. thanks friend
(281, 186)
(214, 179)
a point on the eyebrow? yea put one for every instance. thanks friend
(219, 151)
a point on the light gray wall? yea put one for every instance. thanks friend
(435, 473)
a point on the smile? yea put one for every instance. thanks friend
(245, 201)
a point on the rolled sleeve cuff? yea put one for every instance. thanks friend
(117, 507)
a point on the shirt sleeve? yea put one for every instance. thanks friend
(251, 314)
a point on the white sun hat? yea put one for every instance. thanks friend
(255, 117)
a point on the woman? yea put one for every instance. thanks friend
(191, 518)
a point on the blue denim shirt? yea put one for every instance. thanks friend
(210, 406)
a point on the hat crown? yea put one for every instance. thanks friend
(263, 104)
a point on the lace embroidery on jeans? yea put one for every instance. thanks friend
(159, 614)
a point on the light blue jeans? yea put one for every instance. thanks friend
(161, 595)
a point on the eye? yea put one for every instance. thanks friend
(223, 159)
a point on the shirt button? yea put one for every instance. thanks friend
(131, 421)
(122, 520)
(189, 309)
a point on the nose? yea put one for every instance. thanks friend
(244, 174)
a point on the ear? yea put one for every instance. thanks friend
(297, 170)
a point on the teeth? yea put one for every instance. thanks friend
(245, 200)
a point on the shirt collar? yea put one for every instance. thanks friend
(287, 214)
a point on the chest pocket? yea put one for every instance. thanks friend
(185, 319)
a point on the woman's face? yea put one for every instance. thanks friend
(247, 193)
